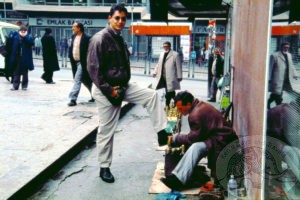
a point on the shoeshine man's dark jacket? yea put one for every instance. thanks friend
(207, 125)
(108, 63)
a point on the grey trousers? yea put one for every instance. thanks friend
(109, 116)
(184, 169)
(77, 83)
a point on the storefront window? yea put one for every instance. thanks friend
(282, 169)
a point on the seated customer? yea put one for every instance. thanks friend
(207, 137)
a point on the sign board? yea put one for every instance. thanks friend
(41, 21)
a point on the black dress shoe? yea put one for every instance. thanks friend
(162, 137)
(50, 82)
(212, 100)
(72, 103)
(106, 175)
(172, 182)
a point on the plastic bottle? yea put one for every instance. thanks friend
(232, 188)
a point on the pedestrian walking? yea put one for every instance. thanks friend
(37, 45)
(21, 57)
(217, 73)
(168, 72)
(78, 58)
(63, 43)
(109, 68)
(281, 74)
(50, 61)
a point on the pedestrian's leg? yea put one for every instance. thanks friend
(150, 100)
(169, 96)
(278, 99)
(184, 169)
(25, 80)
(108, 120)
(270, 100)
(77, 83)
(16, 77)
(89, 87)
(50, 79)
(16, 81)
(215, 87)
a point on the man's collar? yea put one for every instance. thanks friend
(112, 30)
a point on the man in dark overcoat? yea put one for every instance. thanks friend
(49, 56)
(20, 59)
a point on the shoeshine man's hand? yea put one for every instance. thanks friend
(114, 92)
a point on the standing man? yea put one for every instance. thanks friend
(282, 72)
(8, 47)
(78, 58)
(168, 72)
(109, 68)
(217, 72)
(21, 57)
(49, 56)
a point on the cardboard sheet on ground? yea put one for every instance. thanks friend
(157, 186)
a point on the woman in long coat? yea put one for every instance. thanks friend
(49, 56)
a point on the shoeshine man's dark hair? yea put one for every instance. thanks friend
(118, 7)
(185, 97)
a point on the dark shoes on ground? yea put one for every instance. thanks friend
(172, 182)
(50, 82)
(92, 100)
(106, 175)
(162, 137)
(212, 100)
(72, 103)
(14, 89)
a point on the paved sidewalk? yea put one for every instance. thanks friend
(37, 127)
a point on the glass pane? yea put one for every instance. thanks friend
(283, 106)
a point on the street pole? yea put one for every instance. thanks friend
(4, 10)
(132, 24)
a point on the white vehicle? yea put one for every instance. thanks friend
(5, 29)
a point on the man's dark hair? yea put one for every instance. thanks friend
(185, 97)
(167, 43)
(48, 30)
(80, 26)
(285, 43)
(118, 7)
(19, 23)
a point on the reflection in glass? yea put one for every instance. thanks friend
(283, 114)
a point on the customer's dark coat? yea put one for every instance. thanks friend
(219, 66)
(84, 45)
(49, 54)
(21, 52)
(108, 63)
(206, 125)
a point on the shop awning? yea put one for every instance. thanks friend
(152, 29)
(286, 30)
